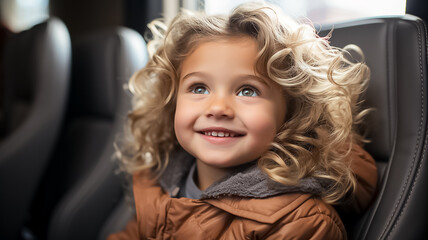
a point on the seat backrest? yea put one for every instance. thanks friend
(36, 72)
(395, 49)
(82, 185)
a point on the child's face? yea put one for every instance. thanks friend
(226, 114)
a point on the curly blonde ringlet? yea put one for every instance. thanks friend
(321, 84)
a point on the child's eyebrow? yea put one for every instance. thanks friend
(253, 77)
(196, 74)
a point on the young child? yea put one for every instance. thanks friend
(245, 127)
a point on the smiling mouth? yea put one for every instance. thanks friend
(221, 134)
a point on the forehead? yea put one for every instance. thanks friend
(234, 47)
(225, 55)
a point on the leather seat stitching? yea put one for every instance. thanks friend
(390, 220)
(425, 142)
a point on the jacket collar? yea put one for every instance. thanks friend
(246, 181)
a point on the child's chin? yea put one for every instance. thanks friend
(222, 163)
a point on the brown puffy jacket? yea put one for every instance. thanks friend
(284, 216)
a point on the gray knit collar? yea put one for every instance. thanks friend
(243, 181)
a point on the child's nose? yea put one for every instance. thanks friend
(220, 107)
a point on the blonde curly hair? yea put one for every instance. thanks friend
(321, 84)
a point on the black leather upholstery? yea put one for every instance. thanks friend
(36, 78)
(118, 219)
(396, 52)
(81, 182)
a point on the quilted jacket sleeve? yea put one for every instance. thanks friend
(318, 222)
(304, 229)
(364, 168)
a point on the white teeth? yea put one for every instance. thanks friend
(219, 134)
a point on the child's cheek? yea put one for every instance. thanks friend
(261, 125)
(179, 123)
(183, 121)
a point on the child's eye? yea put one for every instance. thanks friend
(199, 90)
(248, 92)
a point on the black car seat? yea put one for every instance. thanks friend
(36, 67)
(81, 186)
(395, 49)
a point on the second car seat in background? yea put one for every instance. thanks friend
(81, 187)
(36, 68)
